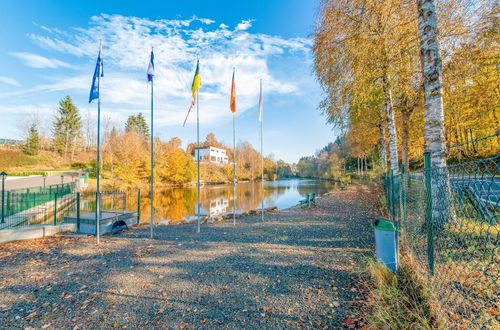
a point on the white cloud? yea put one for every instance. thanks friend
(40, 62)
(10, 81)
(42, 109)
(81, 83)
(244, 25)
(177, 44)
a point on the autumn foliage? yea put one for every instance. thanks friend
(368, 62)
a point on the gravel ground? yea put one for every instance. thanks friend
(295, 269)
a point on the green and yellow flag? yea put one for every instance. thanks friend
(194, 87)
(196, 80)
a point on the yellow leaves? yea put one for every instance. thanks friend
(494, 312)
(175, 166)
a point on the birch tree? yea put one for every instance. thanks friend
(432, 82)
(356, 38)
(434, 134)
(369, 59)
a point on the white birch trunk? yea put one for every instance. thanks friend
(391, 125)
(434, 135)
(382, 147)
(432, 77)
(405, 133)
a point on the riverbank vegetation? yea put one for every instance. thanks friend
(400, 300)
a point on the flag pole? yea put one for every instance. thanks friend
(261, 152)
(98, 156)
(151, 192)
(234, 170)
(198, 155)
(232, 105)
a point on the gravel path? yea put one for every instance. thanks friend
(296, 269)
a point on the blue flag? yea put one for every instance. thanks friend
(94, 90)
(151, 67)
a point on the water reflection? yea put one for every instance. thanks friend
(175, 204)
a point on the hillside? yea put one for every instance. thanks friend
(13, 160)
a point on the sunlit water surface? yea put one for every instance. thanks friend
(177, 204)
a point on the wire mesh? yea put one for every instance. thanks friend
(449, 220)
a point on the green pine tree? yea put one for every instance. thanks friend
(137, 124)
(67, 127)
(32, 141)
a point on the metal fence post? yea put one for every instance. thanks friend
(388, 191)
(77, 212)
(8, 205)
(26, 199)
(124, 203)
(402, 189)
(393, 197)
(3, 174)
(138, 206)
(55, 209)
(428, 212)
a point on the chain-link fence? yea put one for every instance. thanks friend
(449, 221)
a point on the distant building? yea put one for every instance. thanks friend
(6, 142)
(212, 155)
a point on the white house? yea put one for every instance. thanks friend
(211, 154)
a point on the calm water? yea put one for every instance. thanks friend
(176, 204)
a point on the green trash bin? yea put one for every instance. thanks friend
(386, 243)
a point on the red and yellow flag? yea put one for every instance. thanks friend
(232, 103)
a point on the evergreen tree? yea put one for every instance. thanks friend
(32, 141)
(67, 127)
(137, 124)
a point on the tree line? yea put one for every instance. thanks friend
(390, 68)
(334, 162)
(125, 152)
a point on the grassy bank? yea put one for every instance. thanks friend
(400, 300)
(13, 160)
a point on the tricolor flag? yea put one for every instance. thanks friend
(232, 103)
(151, 67)
(260, 102)
(194, 88)
(196, 81)
(94, 90)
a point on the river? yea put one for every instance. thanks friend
(178, 204)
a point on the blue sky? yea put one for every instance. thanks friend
(50, 47)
